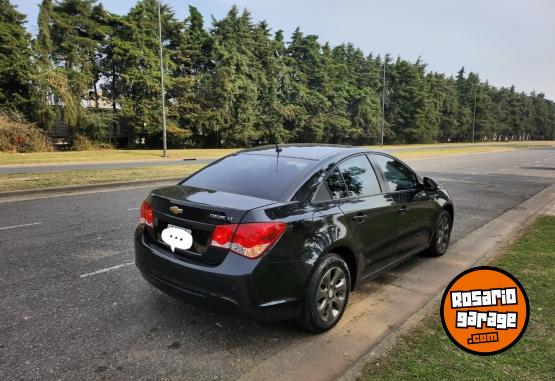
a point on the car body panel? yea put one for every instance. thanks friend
(374, 237)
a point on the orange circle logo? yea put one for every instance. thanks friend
(485, 310)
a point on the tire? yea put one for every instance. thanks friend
(442, 234)
(327, 294)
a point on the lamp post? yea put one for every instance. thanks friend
(163, 96)
(383, 99)
(474, 115)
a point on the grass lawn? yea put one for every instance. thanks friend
(408, 151)
(23, 181)
(19, 181)
(426, 353)
(108, 155)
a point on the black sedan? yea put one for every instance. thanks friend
(287, 232)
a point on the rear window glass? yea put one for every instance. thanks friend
(252, 175)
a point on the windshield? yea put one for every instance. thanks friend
(260, 176)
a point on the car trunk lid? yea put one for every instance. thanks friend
(198, 210)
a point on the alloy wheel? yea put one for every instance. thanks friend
(443, 231)
(330, 298)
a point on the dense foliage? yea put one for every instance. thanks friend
(237, 83)
(19, 136)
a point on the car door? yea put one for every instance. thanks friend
(370, 213)
(415, 208)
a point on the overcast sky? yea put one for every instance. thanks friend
(505, 41)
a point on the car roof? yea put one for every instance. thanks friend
(315, 152)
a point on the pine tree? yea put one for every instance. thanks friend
(193, 65)
(135, 55)
(233, 92)
(239, 84)
(43, 43)
(309, 105)
(15, 59)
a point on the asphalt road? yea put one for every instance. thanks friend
(75, 307)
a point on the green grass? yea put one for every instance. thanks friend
(408, 151)
(426, 353)
(20, 181)
(108, 155)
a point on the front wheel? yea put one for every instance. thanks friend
(440, 240)
(327, 294)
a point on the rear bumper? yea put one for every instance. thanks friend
(234, 286)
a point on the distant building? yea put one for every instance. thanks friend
(62, 131)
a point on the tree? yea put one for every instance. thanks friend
(193, 65)
(43, 43)
(15, 59)
(238, 83)
(308, 103)
(77, 31)
(232, 90)
(135, 55)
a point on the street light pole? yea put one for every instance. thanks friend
(524, 121)
(474, 117)
(163, 96)
(383, 99)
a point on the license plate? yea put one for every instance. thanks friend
(179, 227)
(177, 237)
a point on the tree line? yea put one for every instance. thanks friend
(238, 83)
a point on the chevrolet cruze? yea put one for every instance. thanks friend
(287, 232)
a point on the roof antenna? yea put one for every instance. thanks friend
(278, 150)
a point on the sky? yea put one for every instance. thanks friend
(507, 42)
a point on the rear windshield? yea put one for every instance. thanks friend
(252, 175)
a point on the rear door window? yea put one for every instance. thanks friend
(262, 176)
(359, 176)
(398, 176)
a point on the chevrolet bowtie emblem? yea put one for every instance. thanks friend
(176, 210)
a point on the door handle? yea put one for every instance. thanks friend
(404, 209)
(360, 217)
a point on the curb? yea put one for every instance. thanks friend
(86, 187)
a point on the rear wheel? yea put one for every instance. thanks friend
(440, 241)
(327, 294)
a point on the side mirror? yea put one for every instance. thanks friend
(430, 184)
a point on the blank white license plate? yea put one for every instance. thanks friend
(179, 227)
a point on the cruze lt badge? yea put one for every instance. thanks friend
(220, 217)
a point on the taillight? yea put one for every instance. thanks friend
(248, 240)
(222, 235)
(146, 214)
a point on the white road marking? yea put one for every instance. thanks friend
(20, 226)
(133, 209)
(107, 269)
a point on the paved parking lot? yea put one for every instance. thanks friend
(74, 305)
